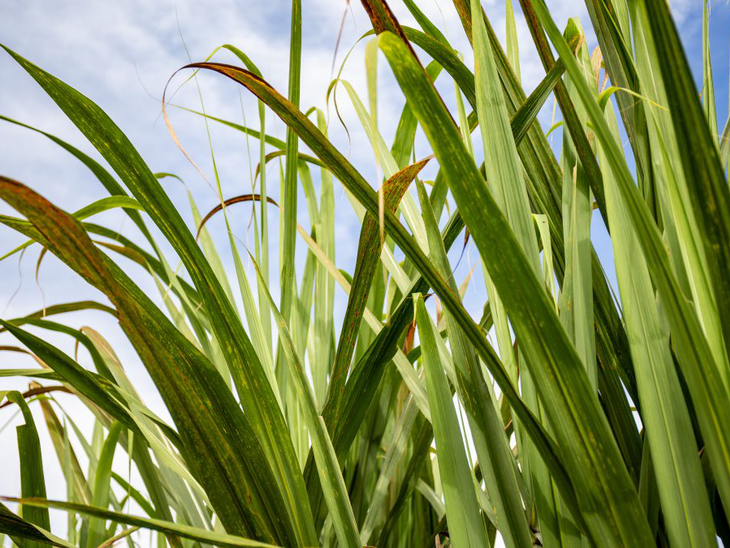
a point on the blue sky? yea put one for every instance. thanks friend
(121, 55)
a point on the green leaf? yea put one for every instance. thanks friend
(99, 206)
(513, 51)
(184, 531)
(72, 373)
(362, 192)
(605, 492)
(492, 447)
(18, 528)
(102, 485)
(64, 308)
(664, 414)
(705, 176)
(708, 391)
(368, 257)
(333, 485)
(290, 190)
(462, 511)
(243, 491)
(368, 371)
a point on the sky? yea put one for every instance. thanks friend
(122, 54)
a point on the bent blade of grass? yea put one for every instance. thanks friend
(390, 263)
(131, 415)
(369, 248)
(245, 490)
(368, 372)
(252, 384)
(104, 177)
(99, 206)
(150, 476)
(253, 317)
(387, 163)
(18, 528)
(415, 386)
(69, 371)
(64, 308)
(184, 531)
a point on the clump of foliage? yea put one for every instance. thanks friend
(585, 421)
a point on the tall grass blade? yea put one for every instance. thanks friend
(184, 531)
(359, 188)
(32, 478)
(102, 484)
(462, 511)
(368, 254)
(333, 486)
(665, 417)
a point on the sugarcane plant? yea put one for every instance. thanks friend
(574, 411)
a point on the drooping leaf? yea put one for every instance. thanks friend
(249, 376)
(202, 406)
(18, 528)
(184, 531)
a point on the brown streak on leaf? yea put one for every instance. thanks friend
(229, 202)
(36, 391)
